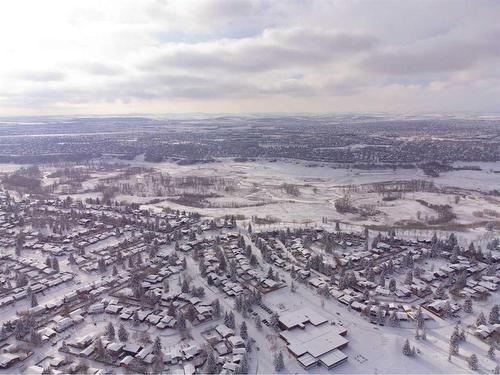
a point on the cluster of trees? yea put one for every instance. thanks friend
(317, 263)
(291, 189)
(24, 180)
(492, 317)
(344, 205)
(110, 333)
(53, 263)
(161, 184)
(245, 301)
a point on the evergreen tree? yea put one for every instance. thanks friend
(244, 366)
(216, 308)
(439, 293)
(392, 285)
(21, 279)
(101, 265)
(181, 324)
(110, 331)
(158, 363)
(258, 323)
(454, 343)
(157, 345)
(274, 321)
(491, 352)
(446, 309)
(493, 318)
(481, 319)
(381, 315)
(35, 337)
(34, 300)
(55, 264)
(211, 364)
(393, 319)
(468, 305)
(407, 348)
(231, 321)
(122, 333)
(462, 335)
(278, 362)
(185, 286)
(99, 348)
(238, 303)
(473, 362)
(136, 319)
(243, 330)
(409, 278)
(420, 322)
(496, 370)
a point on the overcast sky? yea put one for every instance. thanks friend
(162, 56)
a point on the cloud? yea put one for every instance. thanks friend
(440, 55)
(273, 49)
(102, 69)
(40, 76)
(248, 55)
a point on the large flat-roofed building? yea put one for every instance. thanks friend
(319, 345)
(333, 359)
(312, 340)
(301, 317)
(310, 332)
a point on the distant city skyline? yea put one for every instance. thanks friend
(158, 57)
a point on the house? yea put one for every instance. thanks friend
(484, 331)
(317, 282)
(222, 348)
(173, 356)
(132, 348)
(8, 360)
(115, 348)
(224, 331)
(235, 342)
(87, 351)
(57, 361)
(189, 369)
(382, 291)
(488, 285)
(63, 324)
(96, 308)
(191, 351)
(113, 309)
(126, 361)
(143, 353)
(82, 342)
(402, 292)
(47, 333)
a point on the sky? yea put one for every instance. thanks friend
(63, 57)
